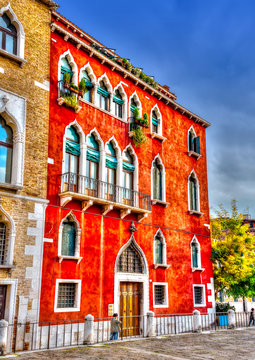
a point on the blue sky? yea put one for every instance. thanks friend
(204, 50)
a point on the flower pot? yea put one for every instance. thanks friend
(74, 90)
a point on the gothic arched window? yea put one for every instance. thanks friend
(8, 35)
(6, 148)
(130, 261)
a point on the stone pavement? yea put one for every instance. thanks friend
(220, 345)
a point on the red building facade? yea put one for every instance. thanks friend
(127, 228)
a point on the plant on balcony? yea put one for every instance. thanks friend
(136, 71)
(140, 121)
(66, 79)
(82, 87)
(139, 137)
(73, 88)
(70, 102)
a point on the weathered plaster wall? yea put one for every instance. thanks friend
(99, 251)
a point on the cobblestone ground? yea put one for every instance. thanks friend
(221, 345)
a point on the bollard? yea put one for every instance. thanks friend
(3, 336)
(150, 324)
(197, 324)
(231, 319)
(89, 330)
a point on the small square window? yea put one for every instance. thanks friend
(160, 295)
(68, 293)
(199, 295)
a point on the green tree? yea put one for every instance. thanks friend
(233, 253)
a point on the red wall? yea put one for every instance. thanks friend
(103, 236)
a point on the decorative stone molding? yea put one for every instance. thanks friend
(70, 216)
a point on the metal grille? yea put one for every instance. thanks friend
(66, 295)
(159, 294)
(3, 236)
(130, 261)
(198, 293)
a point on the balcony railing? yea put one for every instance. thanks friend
(107, 193)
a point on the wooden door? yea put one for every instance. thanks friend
(130, 299)
(3, 289)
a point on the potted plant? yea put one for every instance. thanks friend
(144, 121)
(82, 87)
(66, 79)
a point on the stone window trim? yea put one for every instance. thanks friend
(19, 58)
(67, 54)
(199, 267)
(135, 97)
(159, 234)
(203, 295)
(190, 151)
(197, 210)
(131, 150)
(18, 146)
(77, 257)
(157, 201)
(108, 85)
(124, 98)
(7, 219)
(157, 135)
(165, 285)
(77, 295)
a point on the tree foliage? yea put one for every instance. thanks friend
(233, 253)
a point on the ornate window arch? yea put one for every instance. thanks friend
(193, 142)
(156, 120)
(18, 143)
(69, 58)
(158, 187)
(101, 162)
(195, 254)
(87, 73)
(20, 34)
(69, 238)
(116, 106)
(134, 101)
(7, 237)
(193, 193)
(159, 250)
(104, 93)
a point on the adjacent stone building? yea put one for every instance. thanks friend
(24, 113)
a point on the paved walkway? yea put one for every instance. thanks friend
(220, 345)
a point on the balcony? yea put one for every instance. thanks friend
(108, 196)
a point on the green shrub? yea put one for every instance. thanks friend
(223, 307)
(82, 85)
(136, 71)
(66, 78)
(138, 137)
(144, 121)
(136, 113)
(70, 101)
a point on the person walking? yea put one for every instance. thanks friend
(115, 327)
(252, 317)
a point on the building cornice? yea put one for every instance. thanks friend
(162, 94)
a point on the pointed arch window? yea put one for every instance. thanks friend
(92, 166)
(3, 243)
(6, 150)
(103, 96)
(68, 238)
(111, 166)
(193, 193)
(155, 122)
(64, 84)
(118, 104)
(89, 86)
(195, 255)
(157, 178)
(130, 261)
(72, 154)
(193, 142)
(8, 35)
(128, 177)
(158, 250)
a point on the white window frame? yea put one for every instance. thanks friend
(124, 105)
(77, 295)
(190, 151)
(165, 284)
(159, 233)
(11, 234)
(76, 256)
(93, 78)
(108, 85)
(157, 135)
(195, 241)
(67, 54)
(203, 294)
(20, 35)
(157, 201)
(192, 211)
(139, 105)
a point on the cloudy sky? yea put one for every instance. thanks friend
(205, 51)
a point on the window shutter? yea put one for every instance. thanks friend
(103, 92)
(190, 141)
(197, 144)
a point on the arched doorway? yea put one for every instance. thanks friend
(131, 299)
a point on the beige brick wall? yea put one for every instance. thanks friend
(35, 18)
